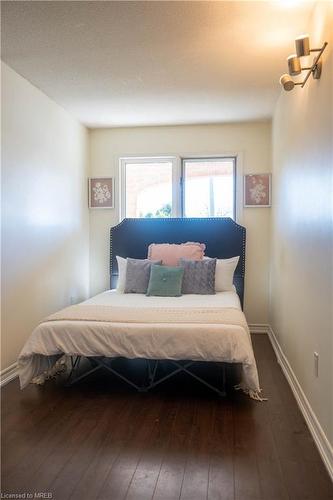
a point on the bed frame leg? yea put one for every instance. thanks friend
(75, 364)
(223, 391)
(151, 365)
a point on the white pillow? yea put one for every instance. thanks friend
(224, 274)
(122, 266)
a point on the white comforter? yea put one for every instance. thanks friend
(182, 340)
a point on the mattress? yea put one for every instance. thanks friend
(221, 335)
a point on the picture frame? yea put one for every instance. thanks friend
(101, 192)
(257, 190)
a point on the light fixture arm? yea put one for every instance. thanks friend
(302, 44)
(315, 63)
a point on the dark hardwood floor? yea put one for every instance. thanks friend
(100, 440)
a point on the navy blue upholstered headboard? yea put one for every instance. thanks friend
(224, 238)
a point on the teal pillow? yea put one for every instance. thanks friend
(165, 281)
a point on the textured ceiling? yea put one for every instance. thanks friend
(154, 63)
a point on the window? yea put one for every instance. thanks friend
(148, 187)
(170, 187)
(208, 187)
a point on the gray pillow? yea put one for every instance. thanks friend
(199, 276)
(138, 274)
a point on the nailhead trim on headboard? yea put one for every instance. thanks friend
(227, 222)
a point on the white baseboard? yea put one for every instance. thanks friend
(324, 447)
(8, 374)
(259, 328)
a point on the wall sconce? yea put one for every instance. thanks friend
(302, 44)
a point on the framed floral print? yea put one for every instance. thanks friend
(101, 192)
(257, 190)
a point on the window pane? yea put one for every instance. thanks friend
(149, 189)
(209, 188)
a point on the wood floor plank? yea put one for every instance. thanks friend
(100, 440)
(42, 442)
(170, 479)
(73, 470)
(104, 455)
(48, 440)
(221, 467)
(18, 448)
(196, 473)
(72, 441)
(30, 427)
(247, 481)
(34, 405)
(123, 469)
(145, 477)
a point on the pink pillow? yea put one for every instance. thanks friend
(170, 254)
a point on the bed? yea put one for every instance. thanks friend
(184, 330)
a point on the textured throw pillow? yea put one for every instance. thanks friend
(138, 274)
(170, 253)
(165, 281)
(122, 265)
(199, 276)
(224, 274)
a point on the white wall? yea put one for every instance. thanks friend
(45, 223)
(252, 140)
(302, 245)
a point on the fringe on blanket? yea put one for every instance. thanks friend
(59, 367)
(250, 392)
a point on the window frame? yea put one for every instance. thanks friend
(178, 192)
